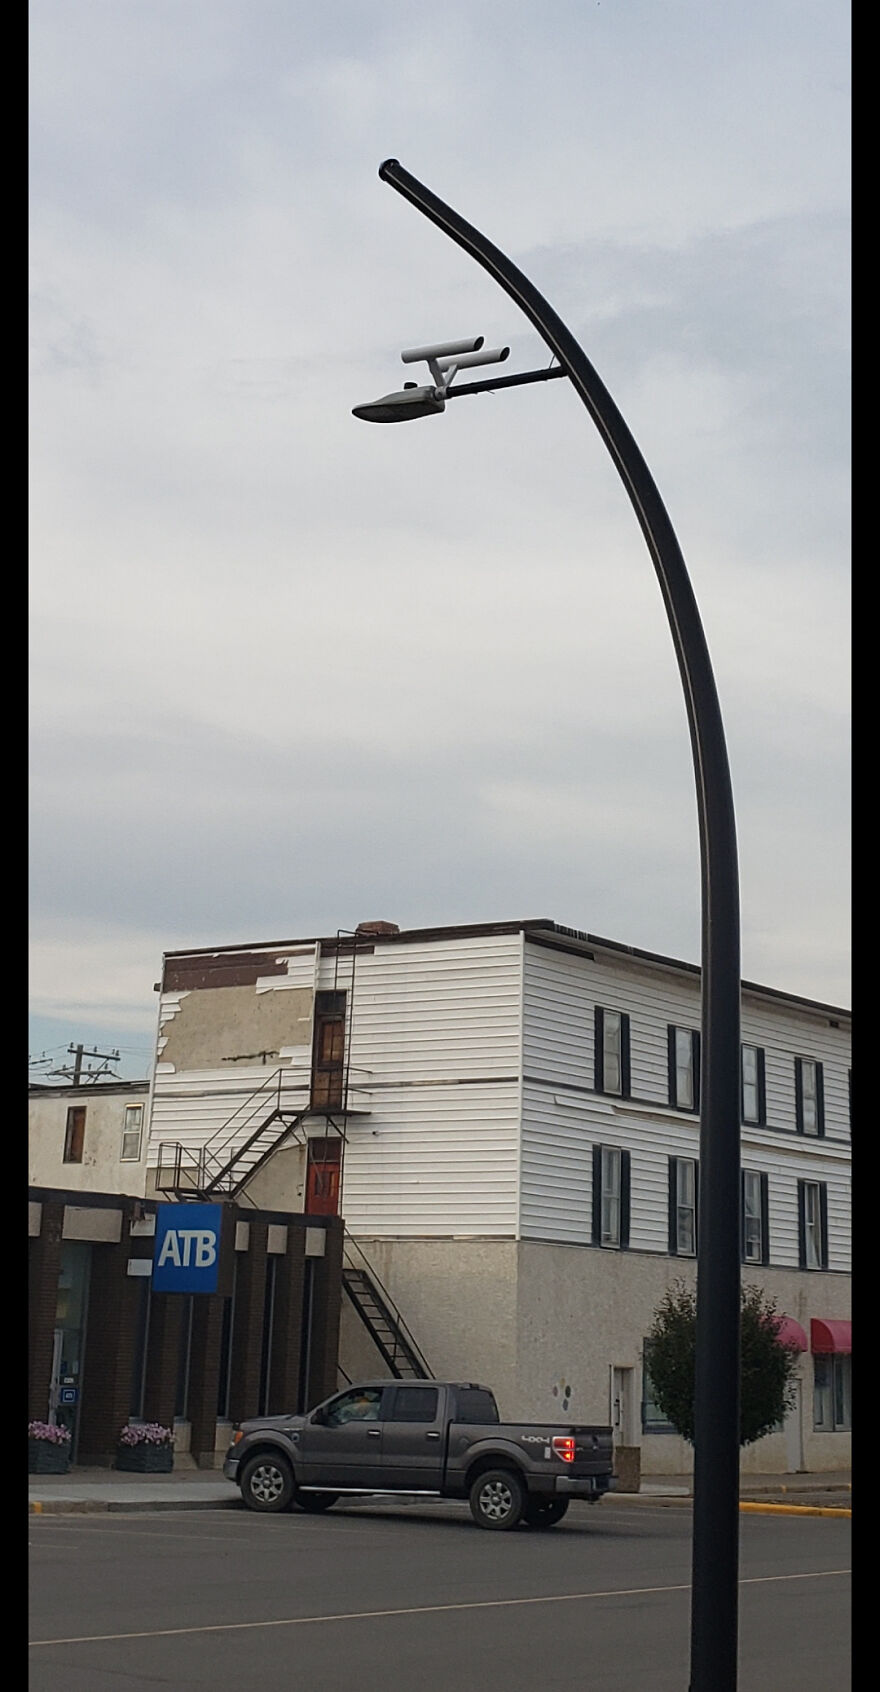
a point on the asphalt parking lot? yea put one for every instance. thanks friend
(374, 1599)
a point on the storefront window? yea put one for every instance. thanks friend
(70, 1332)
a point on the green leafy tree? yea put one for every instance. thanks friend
(767, 1365)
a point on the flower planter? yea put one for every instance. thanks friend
(145, 1459)
(47, 1458)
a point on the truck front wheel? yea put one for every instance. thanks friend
(267, 1483)
(497, 1499)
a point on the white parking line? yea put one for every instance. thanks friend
(423, 1610)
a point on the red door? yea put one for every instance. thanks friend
(322, 1183)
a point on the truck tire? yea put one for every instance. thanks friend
(545, 1512)
(497, 1499)
(315, 1502)
(267, 1483)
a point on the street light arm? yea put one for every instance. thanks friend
(715, 1563)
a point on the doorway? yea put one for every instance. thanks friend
(794, 1432)
(322, 1177)
(622, 1406)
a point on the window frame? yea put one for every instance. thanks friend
(74, 1134)
(816, 1097)
(836, 1389)
(601, 1192)
(758, 1181)
(651, 1424)
(759, 1119)
(126, 1157)
(601, 1054)
(673, 1030)
(677, 1205)
(813, 1228)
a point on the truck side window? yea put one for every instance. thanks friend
(474, 1404)
(362, 1404)
(414, 1404)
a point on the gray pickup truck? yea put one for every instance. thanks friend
(429, 1438)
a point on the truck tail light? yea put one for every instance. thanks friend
(563, 1446)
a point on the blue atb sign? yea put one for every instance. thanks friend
(186, 1255)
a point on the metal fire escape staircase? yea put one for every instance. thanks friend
(224, 1164)
(381, 1317)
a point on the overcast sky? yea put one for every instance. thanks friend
(291, 671)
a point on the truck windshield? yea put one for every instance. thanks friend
(476, 1405)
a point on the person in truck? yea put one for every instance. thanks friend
(365, 1408)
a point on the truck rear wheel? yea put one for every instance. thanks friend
(267, 1483)
(497, 1499)
(545, 1512)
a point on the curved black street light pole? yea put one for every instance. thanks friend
(715, 1563)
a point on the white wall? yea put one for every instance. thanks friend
(102, 1169)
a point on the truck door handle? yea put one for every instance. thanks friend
(374, 1433)
(432, 1436)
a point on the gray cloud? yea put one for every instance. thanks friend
(288, 671)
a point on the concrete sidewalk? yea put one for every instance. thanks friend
(87, 1490)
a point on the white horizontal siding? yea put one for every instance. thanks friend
(558, 1136)
(435, 1054)
(436, 1011)
(562, 991)
(437, 1161)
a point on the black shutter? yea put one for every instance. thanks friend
(624, 1200)
(820, 1098)
(695, 1049)
(765, 1220)
(762, 1087)
(802, 1226)
(798, 1096)
(742, 1215)
(673, 1216)
(670, 1058)
(823, 1223)
(597, 1195)
(624, 1056)
(599, 1049)
(696, 1205)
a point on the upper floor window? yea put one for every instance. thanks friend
(612, 1052)
(755, 1240)
(813, 1224)
(684, 1068)
(610, 1196)
(809, 1096)
(74, 1134)
(752, 1086)
(683, 1187)
(132, 1132)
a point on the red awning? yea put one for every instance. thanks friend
(830, 1336)
(791, 1333)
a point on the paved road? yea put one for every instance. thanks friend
(367, 1600)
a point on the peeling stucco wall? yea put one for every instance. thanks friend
(229, 1025)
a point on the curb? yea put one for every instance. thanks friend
(95, 1506)
(796, 1510)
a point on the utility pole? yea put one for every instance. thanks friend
(74, 1072)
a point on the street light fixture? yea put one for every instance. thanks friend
(715, 1553)
(444, 363)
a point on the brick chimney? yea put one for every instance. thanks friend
(377, 928)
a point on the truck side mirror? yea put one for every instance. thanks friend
(319, 1416)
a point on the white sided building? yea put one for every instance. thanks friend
(507, 1117)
